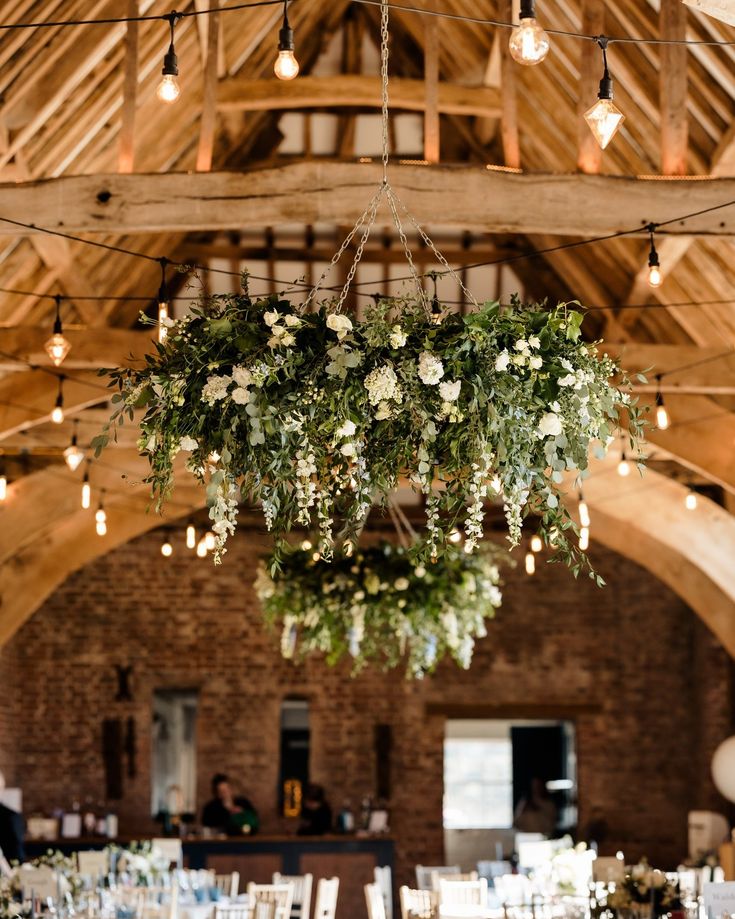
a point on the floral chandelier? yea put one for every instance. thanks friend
(318, 415)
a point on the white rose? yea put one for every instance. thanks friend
(287, 340)
(346, 429)
(270, 317)
(568, 380)
(536, 362)
(534, 341)
(450, 391)
(292, 320)
(188, 443)
(502, 361)
(521, 345)
(241, 395)
(347, 449)
(242, 376)
(550, 424)
(401, 584)
(340, 324)
(397, 337)
(431, 369)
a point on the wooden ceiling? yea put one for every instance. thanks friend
(81, 102)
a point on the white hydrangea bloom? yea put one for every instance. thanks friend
(550, 424)
(431, 369)
(382, 385)
(242, 376)
(346, 429)
(502, 361)
(215, 389)
(397, 337)
(450, 391)
(188, 443)
(240, 395)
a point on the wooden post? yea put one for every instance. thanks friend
(589, 155)
(673, 89)
(126, 155)
(209, 106)
(509, 103)
(431, 80)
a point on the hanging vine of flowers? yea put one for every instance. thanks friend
(318, 415)
(381, 606)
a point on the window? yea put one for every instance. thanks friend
(478, 782)
(173, 786)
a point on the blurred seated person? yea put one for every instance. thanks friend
(228, 814)
(12, 830)
(536, 811)
(316, 814)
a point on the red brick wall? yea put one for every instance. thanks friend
(648, 683)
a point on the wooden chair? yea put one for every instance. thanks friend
(326, 898)
(157, 902)
(232, 911)
(228, 884)
(279, 894)
(464, 893)
(437, 878)
(302, 884)
(418, 904)
(374, 900)
(424, 873)
(384, 880)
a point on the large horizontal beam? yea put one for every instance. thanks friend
(471, 198)
(352, 91)
(90, 348)
(686, 369)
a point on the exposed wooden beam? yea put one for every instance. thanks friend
(208, 121)
(28, 397)
(311, 192)
(589, 154)
(673, 89)
(509, 100)
(91, 348)
(687, 368)
(126, 153)
(352, 91)
(431, 80)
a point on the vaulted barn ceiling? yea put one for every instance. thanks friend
(81, 102)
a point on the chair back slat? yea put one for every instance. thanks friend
(418, 904)
(424, 873)
(384, 879)
(302, 884)
(374, 900)
(465, 893)
(279, 894)
(327, 891)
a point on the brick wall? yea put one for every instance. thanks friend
(647, 685)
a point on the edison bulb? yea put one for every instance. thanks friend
(86, 495)
(57, 348)
(3, 487)
(530, 563)
(191, 536)
(604, 119)
(202, 548)
(57, 415)
(536, 543)
(210, 541)
(528, 44)
(690, 502)
(73, 456)
(168, 89)
(101, 527)
(101, 515)
(455, 536)
(584, 513)
(584, 539)
(662, 417)
(162, 317)
(286, 66)
(167, 550)
(624, 467)
(655, 277)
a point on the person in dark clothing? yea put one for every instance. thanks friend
(316, 814)
(12, 830)
(227, 813)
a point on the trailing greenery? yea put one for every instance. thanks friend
(317, 415)
(379, 605)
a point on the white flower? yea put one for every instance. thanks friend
(534, 341)
(242, 376)
(271, 317)
(215, 389)
(346, 429)
(347, 449)
(450, 391)
(241, 395)
(502, 361)
(382, 385)
(384, 411)
(536, 362)
(521, 345)
(288, 339)
(431, 369)
(401, 584)
(550, 424)
(569, 380)
(340, 324)
(292, 320)
(397, 337)
(188, 443)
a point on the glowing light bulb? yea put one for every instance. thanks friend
(584, 539)
(455, 536)
(57, 415)
(73, 454)
(168, 89)
(584, 513)
(86, 494)
(536, 543)
(3, 486)
(528, 44)
(623, 467)
(690, 502)
(202, 548)
(662, 416)
(604, 120)
(210, 541)
(316, 556)
(286, 66)
(100, 520)
(191, 536)
(530, 563)
(655, 277)
(167, 550)
(162, 319)
(57, 348)
(306, 546)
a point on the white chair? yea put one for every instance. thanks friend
(384, 879)
(302, 884)
(170, 849)
(279, 894)
(418, 904)
(232, 911)
(375, 903)
(424, 873)
(327, 891)
(228, 884)
(514, 890)
(437, 878)
(464, 893)
(157, 902)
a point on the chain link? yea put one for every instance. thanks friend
(407, 251)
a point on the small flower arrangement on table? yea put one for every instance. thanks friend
(645, 891)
